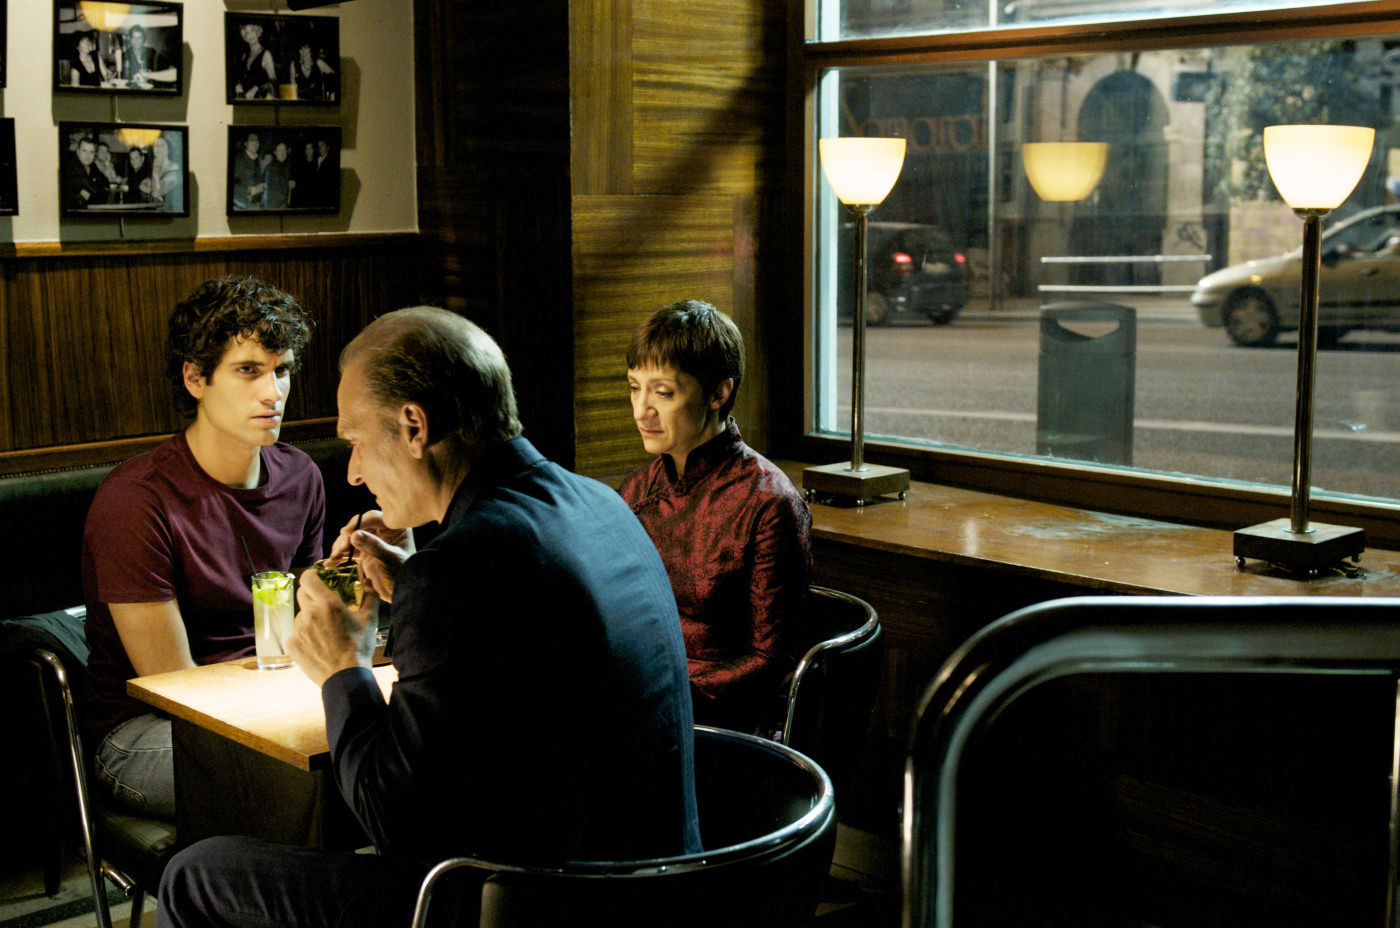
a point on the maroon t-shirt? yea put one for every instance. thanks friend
(160, 528)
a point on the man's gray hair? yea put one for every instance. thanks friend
(448, 365)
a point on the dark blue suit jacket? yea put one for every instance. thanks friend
(542, 710)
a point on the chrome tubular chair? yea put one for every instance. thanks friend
(1116, 635)
(768, 823)
(129, 850)
(833, 688)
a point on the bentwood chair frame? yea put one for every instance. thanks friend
(156, 838)
(864, 635)
(1116, 635)
(619, 883)
(832, 691)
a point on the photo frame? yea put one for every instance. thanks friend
(281, 60)
(122, 170)
(118, 48)
(283, 169)
(9, 185)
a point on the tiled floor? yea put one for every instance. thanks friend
(24, 905)
(863, 891)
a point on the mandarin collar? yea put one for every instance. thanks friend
(704, 459)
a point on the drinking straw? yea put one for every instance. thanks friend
(248, 554)
(350, 551)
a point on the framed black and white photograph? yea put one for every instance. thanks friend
(123, 169)
(121, 48)
(282, 59)
(9, 186)
(283, 169)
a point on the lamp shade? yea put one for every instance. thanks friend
(861, 170)
(138, 138)
(1064, 171)
(105, 16)
(1317, 167)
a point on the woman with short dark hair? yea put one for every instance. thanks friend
(731, 528)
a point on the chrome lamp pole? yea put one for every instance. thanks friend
(861, 171)
(1315, 169)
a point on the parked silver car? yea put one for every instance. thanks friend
(1359, 287)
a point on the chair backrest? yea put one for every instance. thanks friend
(833, 689)
(768, 823)
(35, 775)
(1117, 635)
(45, 559)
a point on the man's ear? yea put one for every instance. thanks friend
(722, 392)
(194, 380)
(413, 428)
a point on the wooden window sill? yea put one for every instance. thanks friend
(1095, 551)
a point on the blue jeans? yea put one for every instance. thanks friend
(137, 764)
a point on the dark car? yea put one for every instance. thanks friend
(912, 269)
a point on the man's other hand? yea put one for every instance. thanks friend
(328, 636)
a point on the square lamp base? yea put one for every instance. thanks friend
(840, 480)
(1320, 547)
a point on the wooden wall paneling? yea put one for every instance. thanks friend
(751, 408)
(600, 84)
(453, 219)
(707, 94)
(536, 321)
(492, 79)
(82, 338)
(433, 48)
(493, 186)
(633, 255)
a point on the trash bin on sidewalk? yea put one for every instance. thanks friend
(1085, 390)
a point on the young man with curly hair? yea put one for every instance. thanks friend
(168, 539)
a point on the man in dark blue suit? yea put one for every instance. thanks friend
(542, 709)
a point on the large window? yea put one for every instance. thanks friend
(852, 19)
(982, 292)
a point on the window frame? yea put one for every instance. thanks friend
(1195, 501)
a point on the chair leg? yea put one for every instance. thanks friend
(99, 890)
(53, 871)
(138, 898)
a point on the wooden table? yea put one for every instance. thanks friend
(251, 755)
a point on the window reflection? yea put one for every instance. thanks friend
(1183, 207)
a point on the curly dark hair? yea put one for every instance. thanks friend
(220, 310)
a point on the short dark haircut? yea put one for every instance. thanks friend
(219, 311)
(448, 365)
(694, 338)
